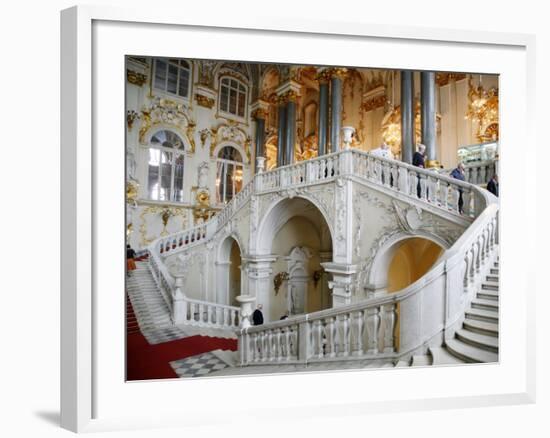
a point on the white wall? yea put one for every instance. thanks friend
(30, 393)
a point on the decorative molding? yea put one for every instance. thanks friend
(204, 101)
(374, 103)
(443, 79)
(135, 77)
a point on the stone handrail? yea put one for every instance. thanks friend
(476, 172)
(366, 330)
(189, 311)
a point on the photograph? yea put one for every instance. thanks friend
(285, 218)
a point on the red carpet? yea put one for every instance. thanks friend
(145, 361)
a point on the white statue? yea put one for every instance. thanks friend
(203, 175)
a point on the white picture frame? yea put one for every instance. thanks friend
(92, 223)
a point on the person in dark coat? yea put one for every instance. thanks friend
(130, 260)
(258, 316)
(418, 161)
(492, 185)
(458, 173)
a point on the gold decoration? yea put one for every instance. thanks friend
(289, 96)
(131, 116)
(259, 113)
(483, 109)
(191, 136)
(317, 275)
(132, 188)
(165, 112)
(443, 79)
(155, 210)
(204, 101)
(373, 103)
(278, 280)
(136, 78)
(338, 72)
(323, 76)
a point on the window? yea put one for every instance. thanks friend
(172, 76)
(232, 97)
(229, 176)
(165, 167)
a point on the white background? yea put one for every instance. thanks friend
(29, 316)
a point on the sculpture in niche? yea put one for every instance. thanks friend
(297, 279)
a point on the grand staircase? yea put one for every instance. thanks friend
(461, 288)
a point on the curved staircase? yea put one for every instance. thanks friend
(464, 281)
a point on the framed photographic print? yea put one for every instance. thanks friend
(310, 208)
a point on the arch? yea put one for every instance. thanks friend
(228, 273)
(221, 145)
(280, 212)
(171, 128)
(377, 276)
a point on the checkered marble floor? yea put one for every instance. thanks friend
(198, 366)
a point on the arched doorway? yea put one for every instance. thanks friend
(401, 263)
(297, 234)
(228, 272)
(412, 258)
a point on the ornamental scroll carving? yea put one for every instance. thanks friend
(164, 112)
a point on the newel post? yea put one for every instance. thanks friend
(178, 269)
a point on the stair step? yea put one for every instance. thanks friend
(470, 353)
(482, 327)
(492, 277)
(402, 364)
(442, 357)
(421, 360)
(488, 294)
(482, 315)
(480, 303)
(489, 285)
(485, 342)
(494, 271)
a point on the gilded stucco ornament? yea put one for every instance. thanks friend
(204, 101)
(165, 112)
(136, 78)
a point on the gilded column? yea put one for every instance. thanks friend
(407, 116)
(290, 128)
(323, 112)
(281, 137)
(287, 93)
(427, 100)
(337, 77)
(259, 112)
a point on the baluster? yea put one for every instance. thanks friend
(286, 343)
(294, 342)
(373, 330)
(317, 338)
(268, 345)
(330, 168)
(455, 196)
(201, 313)
(432, 181)
(192, 307)
(422, 186)
(390, 318)
(357, 333)
(209, 314)
(343, 334)
(277, 343)
(394, 176)
(329, 337)
(218, 316)
(483, 172)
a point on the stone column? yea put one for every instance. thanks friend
(337, 77)
(281, 137)
(323, 112)
(407, 116)
(427, 101)
(290, 131)
(342, 275)
(259, 284)
(288, 93)
(259, 113)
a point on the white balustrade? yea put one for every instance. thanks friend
(366, 330)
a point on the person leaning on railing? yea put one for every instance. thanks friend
(458, 173)
(492, 185)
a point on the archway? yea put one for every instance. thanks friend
(228, 272)
(296, 232)
(401, 263)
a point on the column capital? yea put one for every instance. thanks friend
(259, 109)
(337, 72)
(288, 92)
(323, 76)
